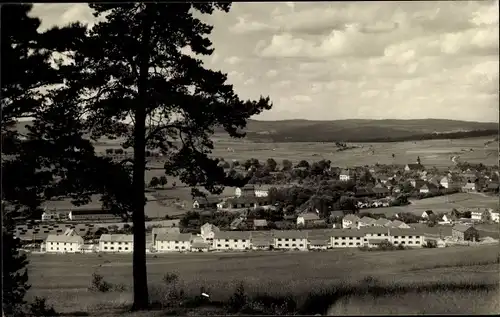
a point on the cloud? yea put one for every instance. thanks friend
(233, 60)
(338, 60)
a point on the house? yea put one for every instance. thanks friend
(157, 231)
(92, 214)
(399, 224)
(200, 246)
(350, 221)
(259, 224)
(444, 220)
(381, 191)
(416, 167)
(426, 214)
(383, 179)
(247, 202)
(290, 240)
(417, 183)
(231, 240)
(476, 215)
(206, 202)
(439, 243)
(495, 216)
(360, 192)
(179, 242)
(346, 175)
(318, 239)
(261, 240)
(407, 237)
(245, 191)
(382, 222)
(469, 188)
(116, 243)
(208, 231)
(63, 243)
(464, 233)
(263, 190)
(306, 218)
(342, 238)
(492, 187)
(53, 215)
(366, 222)
(424, 189)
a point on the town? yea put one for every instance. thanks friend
(322, 208)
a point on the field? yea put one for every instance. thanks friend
(441, 204)
(432, 152)
(64, 280)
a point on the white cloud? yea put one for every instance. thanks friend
(233, 60)
(337, 60)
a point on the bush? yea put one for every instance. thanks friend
(40, 308)
(170, 278)
(98, 284)
(238, 300)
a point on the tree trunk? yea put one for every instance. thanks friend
(141, 296)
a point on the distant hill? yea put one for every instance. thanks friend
(359, 130)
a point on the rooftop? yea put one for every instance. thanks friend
(117, 238)
(174, 237)
(64, 238)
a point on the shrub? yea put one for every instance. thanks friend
(98, 284)
(238, 300)
(40, 308)
(170, 278)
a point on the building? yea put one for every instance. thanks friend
(319, 239)
(92, 215)
(374, 235)
(54, 215)
(382, 222)
(366, 222)
(119, 243)
(341, 238)
(346, 175)
(208, 231)
(290, 240)
(477, 215)
(206, 202)
(247, 191)
(259, 224)
(469, 188)
(495, 216)
(180, 242)
(407, 237)
(399, 224)
(381, 190)
(444, 220)
(63, 243)
(200, 247)
(157, 231)
(350, 221)
(426, 214)
(247, 202)
(492, 187)
(464, 233)
(307, 218)
(231, 240)
(263, 190)
(261, 240)
(416, 167)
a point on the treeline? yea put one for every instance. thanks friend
(367, 136)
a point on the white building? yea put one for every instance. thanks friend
(231, 240)
(350, 221)
(247, 190)
(63, 243)
(156, 231)
(303, 219)
(399, 224)
(495, 216)
(407, 237)
(180, 242)
(290, 239)
(262, 191)
(345, 175)
(346, 238)
(366, 222)
(444, 220)
(476, 215)
(445, 182)
(208, 231)
(120, 243)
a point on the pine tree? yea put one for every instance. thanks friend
(26, 69)
(131, 66)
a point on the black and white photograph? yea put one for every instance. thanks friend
(250, 158)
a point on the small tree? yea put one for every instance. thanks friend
(271, 163)
(163, 181)
(155, 182)
(486, 216)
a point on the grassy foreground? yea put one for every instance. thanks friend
(314, 282)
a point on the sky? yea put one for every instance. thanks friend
(352, 60)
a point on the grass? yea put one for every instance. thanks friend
(432, 152)
(64, 280)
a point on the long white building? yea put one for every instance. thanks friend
(180, 242)
(231, 240)
(116, 243)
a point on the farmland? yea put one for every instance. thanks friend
(64, 279)
(432, 152)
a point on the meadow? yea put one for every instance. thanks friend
(432, 152)
(64, 279)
